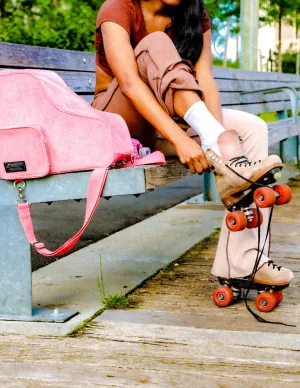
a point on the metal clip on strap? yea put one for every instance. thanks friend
(20, 186)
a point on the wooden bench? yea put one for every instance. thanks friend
(252, 92)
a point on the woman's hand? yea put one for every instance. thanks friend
(191, 154)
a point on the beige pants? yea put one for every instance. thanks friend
(162, 69)
(236, 252)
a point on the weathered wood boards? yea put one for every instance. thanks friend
(77, 70)
(22, 56)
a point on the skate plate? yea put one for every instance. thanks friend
(245, 284)
(247, 199)
(231, 290)
(241, 215)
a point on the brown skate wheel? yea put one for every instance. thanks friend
(285, 194)
(236, 221)
(264, 197)
(265, 302)
(254, 223)
(223, 296)
(278, 296)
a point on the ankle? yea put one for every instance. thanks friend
(230, 144)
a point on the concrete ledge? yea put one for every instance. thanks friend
(128, 258)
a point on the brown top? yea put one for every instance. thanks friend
(129, 15)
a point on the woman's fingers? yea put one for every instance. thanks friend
(203, 162)
(198, 166)
(191, 167)
(191, 154)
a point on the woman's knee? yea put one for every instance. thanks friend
(252, 130)
(159, 38)
(246, 124)
(159, 45)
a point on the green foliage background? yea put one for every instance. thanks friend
(68, 24)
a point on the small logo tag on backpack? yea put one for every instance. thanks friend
(15, 166)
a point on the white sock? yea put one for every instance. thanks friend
(204, 123)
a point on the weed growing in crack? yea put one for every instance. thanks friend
(114, 301)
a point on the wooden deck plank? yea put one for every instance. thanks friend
(132, 355)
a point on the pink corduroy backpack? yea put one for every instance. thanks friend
(45, 129)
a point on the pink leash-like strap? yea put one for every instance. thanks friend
(95, 188)
(155, 157)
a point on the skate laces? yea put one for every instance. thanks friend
(241, 161)
(270, 262)
(255, 268)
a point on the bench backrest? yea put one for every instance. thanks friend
(78, 71)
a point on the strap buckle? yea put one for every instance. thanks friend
(20, 185)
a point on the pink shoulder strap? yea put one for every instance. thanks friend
(95, 188)
(155, 157)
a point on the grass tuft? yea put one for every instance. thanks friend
(117, 301)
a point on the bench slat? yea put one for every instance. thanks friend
(21, 56)
(257, 98)
(74, 186)
(161, 175)
(220, 72)
(17, 55)
(79, 82)
(260, 108)
(229, 85)
(282, 129)
(87, 97)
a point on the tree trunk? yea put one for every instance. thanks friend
(298, 44)
(226, 43)
(237, 46)
(280, 39)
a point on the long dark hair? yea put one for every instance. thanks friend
(187, 29)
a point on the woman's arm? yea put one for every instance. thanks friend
(205, 78)
(121, 59)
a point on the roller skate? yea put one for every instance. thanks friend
(240, 182)
(268, 281)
